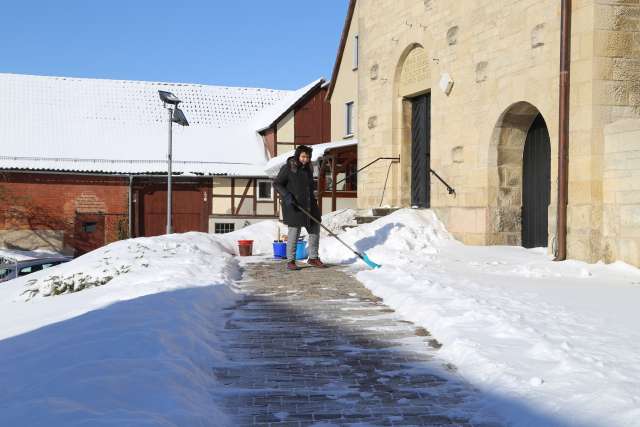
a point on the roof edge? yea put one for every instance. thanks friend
(296, 103)
(343, 42)
(134, 81)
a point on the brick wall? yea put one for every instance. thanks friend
(40, 210)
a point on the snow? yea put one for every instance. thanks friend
(134, 351)
(561, 337)
(20, 255)
(337, 220)
(120, 126)
(547, 343)
(262, 233)
(273, 165)
(266, 117)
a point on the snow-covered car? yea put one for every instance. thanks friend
(11, 269)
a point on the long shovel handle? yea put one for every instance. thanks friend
(307, 213)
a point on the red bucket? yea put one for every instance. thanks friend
(245, 247)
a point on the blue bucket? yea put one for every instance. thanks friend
(280, 250)
(301, 250)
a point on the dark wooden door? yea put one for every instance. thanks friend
(421, 151)
(189, 210)
(88, 232)
(536, 185)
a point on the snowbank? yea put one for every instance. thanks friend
(136, 351)
(262, 233)
(265, 232)
(338, 220)
(562, 338)
(559, 338)
(18, 255)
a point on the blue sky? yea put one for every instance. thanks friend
(281, 44)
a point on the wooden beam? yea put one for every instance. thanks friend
(334, 174)
(244, 196)
(255, 196)
(275, 140)
(233, 195)
(276, 196)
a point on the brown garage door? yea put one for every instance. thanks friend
(190, 209)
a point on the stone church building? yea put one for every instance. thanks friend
(469, 90)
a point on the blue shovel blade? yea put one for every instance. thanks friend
(370, 263)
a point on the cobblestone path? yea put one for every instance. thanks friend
(316, 347)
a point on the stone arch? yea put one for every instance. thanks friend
(413, 71)
(505, 172)
(412, 77)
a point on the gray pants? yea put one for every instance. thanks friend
(314, 241)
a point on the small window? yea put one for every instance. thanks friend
(348, 119)
(265, 190)
(224, 227)
(5, 272)
(29, 270)
(89, 227)
(49, 264)
(356, 51)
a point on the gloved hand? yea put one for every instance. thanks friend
(288, 199)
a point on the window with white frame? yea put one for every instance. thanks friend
(265, 190)
(348, 118)
(224, 227)
(356, 51)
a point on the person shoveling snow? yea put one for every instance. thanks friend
(294, 183)
(300, 209)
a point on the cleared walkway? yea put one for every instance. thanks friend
(316, 347)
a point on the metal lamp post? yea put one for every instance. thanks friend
(175, 115)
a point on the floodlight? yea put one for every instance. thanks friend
(168, 97)
(175, 116)
(179, 117)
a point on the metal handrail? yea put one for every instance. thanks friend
(394, 160)
(449, 188)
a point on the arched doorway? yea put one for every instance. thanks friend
(519, 207)
(413, 121)
(536, 185)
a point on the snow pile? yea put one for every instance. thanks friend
(393, 238)
(9, 255)
(559, 338)
(138, 350)
(120, 259)
(262, 233)
(265, 232)
(337, 221)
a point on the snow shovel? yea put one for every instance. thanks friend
(362, 255)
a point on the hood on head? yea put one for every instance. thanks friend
(302, 149)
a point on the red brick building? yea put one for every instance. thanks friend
(61, 212)
(83, 161)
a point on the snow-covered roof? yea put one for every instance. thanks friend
(273, 166)
(269, 115)
(120, 126)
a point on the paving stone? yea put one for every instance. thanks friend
(316, 346)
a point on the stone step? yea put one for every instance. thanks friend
(368, 216)
(383, 211)
(366, 219)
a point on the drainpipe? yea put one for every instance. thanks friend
(563, 133)
(130, 205)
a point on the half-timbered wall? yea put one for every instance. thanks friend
(237, 201)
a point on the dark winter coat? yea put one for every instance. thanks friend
(297, 179)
